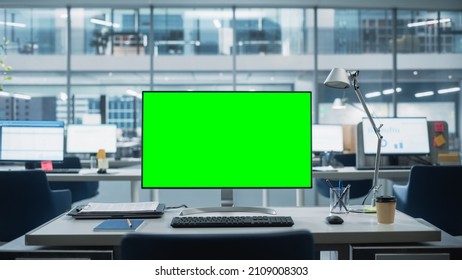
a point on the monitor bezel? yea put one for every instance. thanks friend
(92, 151)
(38, 124)
(386, 153)
(308, 186)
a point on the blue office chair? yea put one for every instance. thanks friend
(358, 188)
(433, 194)
(79, 190)
(287, 245)
(26, 202)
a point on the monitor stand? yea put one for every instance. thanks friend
(227, 206)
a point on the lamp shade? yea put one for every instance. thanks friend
(338, 78)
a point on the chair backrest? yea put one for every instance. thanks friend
(79, 190)
(26, 201)
(434, 194)
(290, 245)
(69, 162)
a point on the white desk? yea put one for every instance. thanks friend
(357, 229)
(132, 175)
(351, 173)
(116, 163)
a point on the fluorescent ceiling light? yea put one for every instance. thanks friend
(390, 91)
(104, 23)
(372, 94)
(63, 96)
(448, 90)
(217, 23)
(428, 22)
(22, 96)
(4, 93)
(131, 92)
(423, 94)
(14, 24)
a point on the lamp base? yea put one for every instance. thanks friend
(362, 209)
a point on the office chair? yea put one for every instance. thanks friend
(433, 194)
(26, 202)
(290, 245)
(358, 188)
(79, 190)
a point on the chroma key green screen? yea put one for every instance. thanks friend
(226, 140)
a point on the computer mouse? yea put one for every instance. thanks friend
(334, 220)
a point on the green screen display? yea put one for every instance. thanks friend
(226, 140)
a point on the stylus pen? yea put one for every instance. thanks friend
(129, 223)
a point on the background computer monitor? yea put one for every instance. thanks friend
(90, 138)
(31, 141)
(327, 138)
(226, 140)
(401, 136)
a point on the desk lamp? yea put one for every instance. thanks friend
(341, 79)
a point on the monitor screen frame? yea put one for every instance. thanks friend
(229, 101)
(36, 137)
(97, 136)
(406, 124)
(333, 131)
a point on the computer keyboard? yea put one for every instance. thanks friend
(63, 170)
(232, 221)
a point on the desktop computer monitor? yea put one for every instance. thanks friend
(226, 140)
(31, 141)
(401, 136)
(327, 138)
(90, 138)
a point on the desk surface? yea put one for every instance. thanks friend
(357, 229)
(133, 174)
(351, 173)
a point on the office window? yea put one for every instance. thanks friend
(270, 31)
(355, 39)
(192, 31)
(34, 31)
(351, 31)
(429, 92)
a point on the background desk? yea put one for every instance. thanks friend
(351, 173)
(132, 175)
(357, 229)
(116, 163)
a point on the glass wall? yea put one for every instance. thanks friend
(35, 31)
(355, 40)
(115, 54)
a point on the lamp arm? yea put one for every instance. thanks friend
(375, 186)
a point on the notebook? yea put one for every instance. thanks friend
(119, 225)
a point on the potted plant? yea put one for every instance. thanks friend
(4, 67)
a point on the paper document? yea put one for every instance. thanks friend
(136, 207)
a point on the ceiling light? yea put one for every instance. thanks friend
(22, 96)
(104, 23)
(63, 96)
(423, 94)
(390, 91)
(4, 93)
(373, 94)
(448, 90)
(428, 22)
(14, 24)
(217, 23)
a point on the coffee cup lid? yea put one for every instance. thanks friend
(385, 198)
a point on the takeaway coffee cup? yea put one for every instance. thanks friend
(385, 206)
